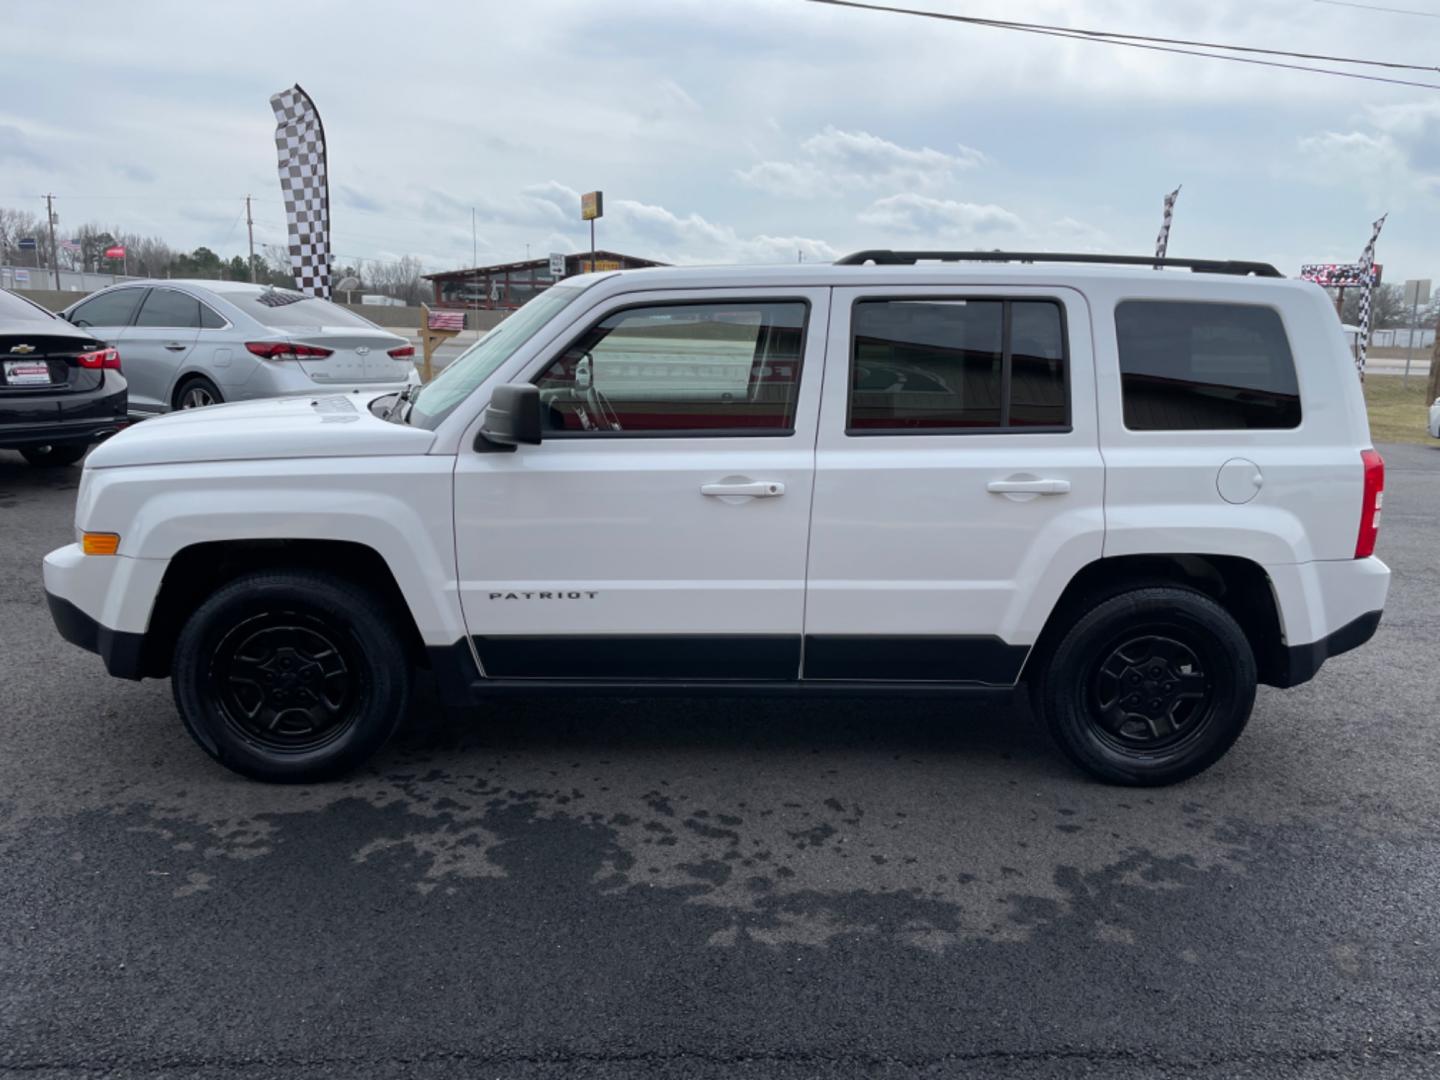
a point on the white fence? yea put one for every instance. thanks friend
(1400, 339)
(30, 277)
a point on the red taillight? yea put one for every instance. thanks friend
(1370, 504)
(107, 359)
(404, 352)
(286, 350)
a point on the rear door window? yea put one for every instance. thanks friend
(1193, 366)
(937, 366)
(171, 309)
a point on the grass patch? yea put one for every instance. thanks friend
(1397, 413)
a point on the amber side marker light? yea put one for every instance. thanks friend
(100, 543)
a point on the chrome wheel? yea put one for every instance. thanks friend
(196, 397)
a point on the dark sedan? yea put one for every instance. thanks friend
(60, 389)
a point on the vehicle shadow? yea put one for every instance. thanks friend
(954, 727)
(18, 476)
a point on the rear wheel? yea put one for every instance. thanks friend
(290, 676)
(1149, 687)
(197, 392)
(55, 455)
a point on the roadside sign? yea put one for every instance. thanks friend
(1417, 292)
(1339, 275)
(27, 243)
(557, 265)
(115, 252)
(22, 278)
(592, 205)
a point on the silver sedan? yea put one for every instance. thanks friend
(185, 344)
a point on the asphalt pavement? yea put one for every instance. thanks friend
(708, 888)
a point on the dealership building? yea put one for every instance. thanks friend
(506, 286)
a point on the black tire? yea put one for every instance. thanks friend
(196, 392)
(291, 676)
(1149, 687)
(60, 454)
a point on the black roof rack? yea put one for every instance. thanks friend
(886, 257)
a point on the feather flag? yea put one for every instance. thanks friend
(1162, 242)
(1367, 271)
(305, 184)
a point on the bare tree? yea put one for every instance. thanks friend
(16, 225)
(399, 278)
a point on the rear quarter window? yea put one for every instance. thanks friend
(1192, 366)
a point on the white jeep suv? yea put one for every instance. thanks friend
(1135, 490)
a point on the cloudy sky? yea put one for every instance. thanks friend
(730, 130)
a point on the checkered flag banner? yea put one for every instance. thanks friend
(1162, 242)
(1367, 271)
(304, 181)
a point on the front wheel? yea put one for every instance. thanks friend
(290, 676)
(54, 456)
(1149, 687)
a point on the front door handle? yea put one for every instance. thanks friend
(759, 489)
(176, 346)
(1028, 487)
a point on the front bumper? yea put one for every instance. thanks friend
(123, 653)
(103, 604)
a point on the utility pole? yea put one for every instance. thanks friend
(54, 252)
(250, 228)
(475, 263)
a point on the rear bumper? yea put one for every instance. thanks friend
(1303, 661)
(90, 430)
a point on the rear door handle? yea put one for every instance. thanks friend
(176, 346)
(759, 489)
(1029, 487)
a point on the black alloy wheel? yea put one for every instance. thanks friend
(1149, 686)
(1151, 691)
(291, 676)
(285, 681)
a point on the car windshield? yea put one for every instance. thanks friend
(438, 398)
(285, 309)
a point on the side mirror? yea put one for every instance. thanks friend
(513, 416)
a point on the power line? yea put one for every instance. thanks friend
(1376, 7)
(1138, 42)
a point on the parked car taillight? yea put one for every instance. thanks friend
(403, 352)
(286, 350)
(108, 359)
(1370, 503)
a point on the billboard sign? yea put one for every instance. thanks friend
(1339, 275)
(117, 251)
(592, 205)
(27, 243)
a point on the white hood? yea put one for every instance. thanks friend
(294, 427)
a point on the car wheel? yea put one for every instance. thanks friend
(290, 676)
(196, 393)
(1149, 687)
(55, 455)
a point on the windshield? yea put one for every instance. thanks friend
(438, 398)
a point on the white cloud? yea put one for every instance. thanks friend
(833, 160)
(1377, 163)
(913, 213)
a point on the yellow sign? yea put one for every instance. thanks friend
(600, 264)
(592, 205)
